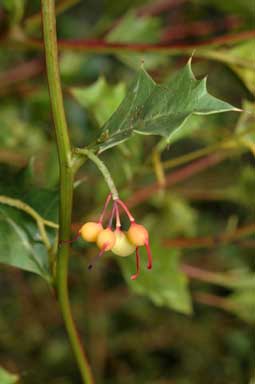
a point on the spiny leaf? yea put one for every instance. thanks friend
(165, 284)
(120, 126)
(152, 109)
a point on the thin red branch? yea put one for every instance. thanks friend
(210, 241)
(97, 45)
(21, 72)
(208, 276)
(199, 28)
(212, 300)
(175, 177)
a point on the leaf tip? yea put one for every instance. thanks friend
(142, 64)
(189, 65)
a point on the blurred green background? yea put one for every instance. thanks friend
(191, 320)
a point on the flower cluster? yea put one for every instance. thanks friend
(112, 237)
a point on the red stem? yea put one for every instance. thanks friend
(71, 240)
(97, 45)
(120, 202)
(175, 177)
(112, 216)
(108, 199)
(137, 256)
(147, 245)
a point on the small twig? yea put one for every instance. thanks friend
(40, 221)
(212, 300)
(102, 46)
(176, 177)
(158, 168)
(222, 279)
(102, 168)
(211, 241)
(21, 72)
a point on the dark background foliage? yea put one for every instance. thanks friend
(191, 319)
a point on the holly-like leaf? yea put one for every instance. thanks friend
(120, 126)
(7, 377)
(152, 109)
(101, 98)
(165, 284)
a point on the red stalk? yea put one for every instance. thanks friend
(137, 255)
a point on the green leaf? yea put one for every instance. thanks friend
(241, 62)
(135, 29)
(119, 127)
(15, 9)
(17, 133)
(19, 243)
(246, 122)
(101, 98)
(165, 284)
(242, 303)
(7, 378)
(152, 109)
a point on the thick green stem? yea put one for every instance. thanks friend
(66, 182)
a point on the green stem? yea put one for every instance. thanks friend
(102, 167)
(66, 183)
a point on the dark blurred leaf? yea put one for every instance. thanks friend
(101, 98)
(18, 133)
(7, 378)
(15, 9)
(152, 109)
(165, 284)
(44, 201)
(246, 122)
(239, 7)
